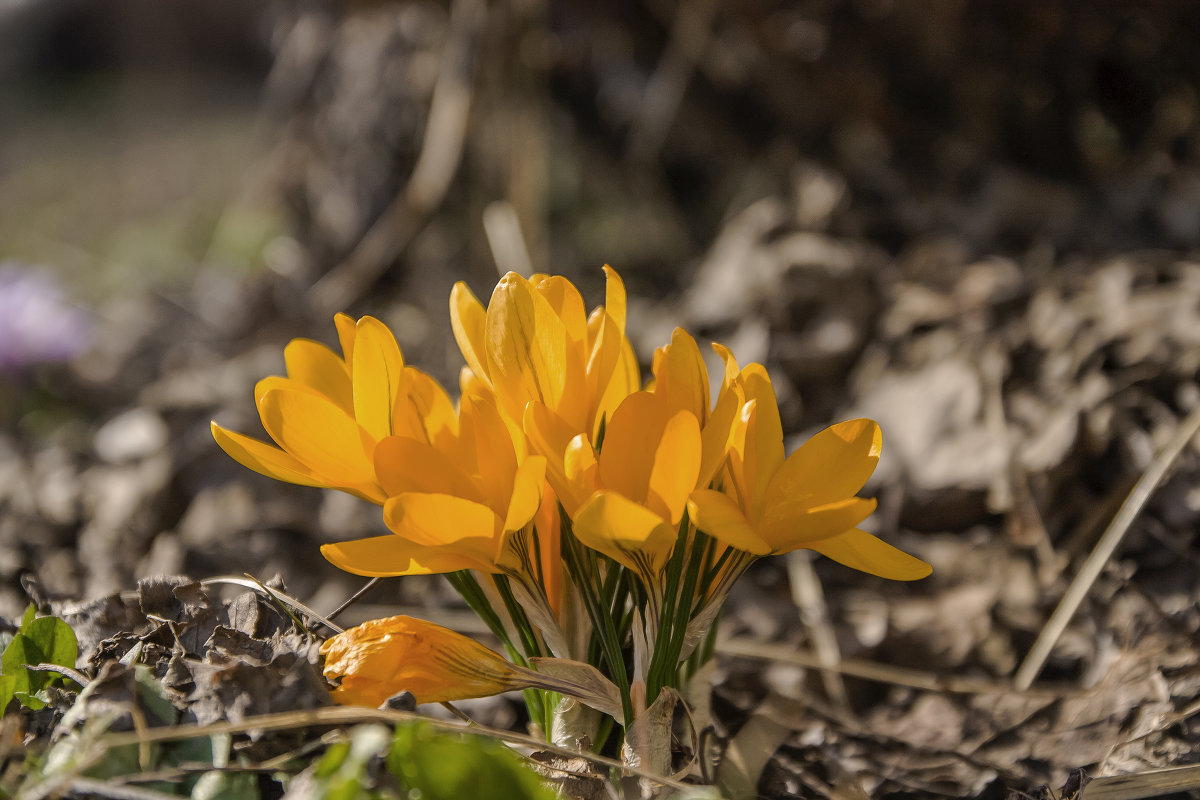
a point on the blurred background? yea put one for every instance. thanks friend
(976, 222)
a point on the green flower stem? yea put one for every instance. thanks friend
(585, 572)
(469, 589)
(524, 628)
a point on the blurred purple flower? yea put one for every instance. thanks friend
(37, 323)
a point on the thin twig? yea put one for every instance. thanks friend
(1103, 551)
(874, 671)
(66, 672)
(348, 715)
(352, 599)
(277, 595)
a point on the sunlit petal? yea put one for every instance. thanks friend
(624, 381)
(764, 435)
(633, 432)
(832, 465)
(318, 433)
(264, 458)
(526, 493)
(376, 370)
(567, 303)
(549, 435)
(680, 375)
(720, 517)
(676, 465)
(424, 410)
(385, 556)
(346, 331)
(439, 519)
(789, 524)
(861, 551)
(315, 365)
(467, 318)
(614, 296)
(724, 429)
(526, 347)
(494, 457)
(409, 465)
(626, 531)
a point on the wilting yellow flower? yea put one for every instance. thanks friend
(384, 657)
(626, 501)
(770, 504)
(534, 341)
(329, 413)
(453, 504)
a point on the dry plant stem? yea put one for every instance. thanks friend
(276, 595)
(1143, 784)
(441, 151)
(352, 599)
(107, 789)
(351, 715)
(873, 671)
(1103, 551)
(810, 602)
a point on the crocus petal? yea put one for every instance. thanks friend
(386, 556)
(676, 465)
(439, 519)
(604, 357)
(633, 432)
(384, 657)
(424, 410)
(624, 381)
(467, 318)
(315, 365)
(721, 518)
(526, 347)
(625, 531)
(860, 550)
(830, 466)
(764, 435)
(614, 297)
(376, 370)
(318, 433)
(409, 465)
(567, 303)
(732, 373)
(494, 457)
(680, 375)
(346, 329)
(790, 524)
(526, 493)
(724, 429)
(549, 435)
(264, 459)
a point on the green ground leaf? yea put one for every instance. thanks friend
(45, 640)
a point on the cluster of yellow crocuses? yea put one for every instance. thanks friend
(587, 516)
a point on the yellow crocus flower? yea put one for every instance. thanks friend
(327, 416)
(534, 342)
(769, 504)
(455, 503)
(627, 500)
(383, 657)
